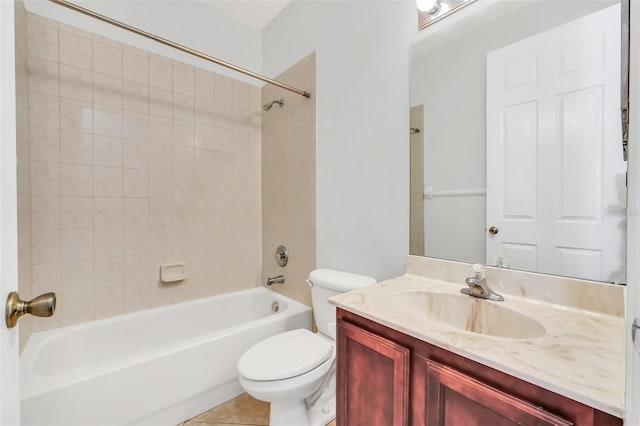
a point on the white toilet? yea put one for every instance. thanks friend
(295, 370)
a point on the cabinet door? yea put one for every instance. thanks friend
(454, 399)
(373, 379)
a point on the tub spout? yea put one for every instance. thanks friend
(278, 279)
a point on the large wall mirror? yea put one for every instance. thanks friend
(516, 152)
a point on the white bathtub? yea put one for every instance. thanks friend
(156, 367)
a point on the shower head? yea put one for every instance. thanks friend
(269, 105)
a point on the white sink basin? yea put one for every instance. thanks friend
(468, 313)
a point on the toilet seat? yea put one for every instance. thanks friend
(284, 356)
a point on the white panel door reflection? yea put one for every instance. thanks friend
(555, 175)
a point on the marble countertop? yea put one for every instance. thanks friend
(581, 355)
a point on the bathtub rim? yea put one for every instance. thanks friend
(50, 382)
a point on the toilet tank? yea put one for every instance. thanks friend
(326, 283)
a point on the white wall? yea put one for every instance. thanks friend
(187, 22)
(362, 100)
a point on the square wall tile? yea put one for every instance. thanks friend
(183, 159)
(135, 183)
(223, 116)
(204, 85)
(76, 148)
(107, 121)
(136, 126)
(76, 244)
(204, 137)
(160, 74)
(183, 133)
(45, 144)
(107, 212)
(76, 115)
(108, 242)
(223, 90)
(136, 155)
(136, 297)
(76, 212)
(76, 50)
(160, 130)
(43, 76)
(76, 275)
(44, 110)
(240, 95)
(183, 79)
(136, 212)
(42, 41)
(109, 272)
(76, 83)
(107, 59)
(78, 306)
(136, 97)
(107, 151)
(183, 107)
(135, 67)
(160, 213)
(45, 277)
(109, 302)
(45, 212)
(160, 158)
(45, 178)
(107, 90)
(136, 269)
(158, 237)
(161, 183)
(223, 140)
(107, 181)
(204, 112)
(136, 240)
(74, 30)
(76, 180)
(160, 102)
(45, 246)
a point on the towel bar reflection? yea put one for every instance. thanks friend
(429, 193)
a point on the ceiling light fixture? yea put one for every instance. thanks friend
(430, 6)
(432, 11)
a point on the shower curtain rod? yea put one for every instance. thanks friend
(185, 49)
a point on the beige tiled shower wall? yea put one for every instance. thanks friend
(289, 180)
(137, 161)
(23, 166)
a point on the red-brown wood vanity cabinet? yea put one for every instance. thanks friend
(387, 378)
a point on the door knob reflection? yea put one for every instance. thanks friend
(41, 306)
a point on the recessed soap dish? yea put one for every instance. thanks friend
(172, 273)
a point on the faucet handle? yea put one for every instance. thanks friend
(478, 270)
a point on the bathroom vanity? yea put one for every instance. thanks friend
(414, 351)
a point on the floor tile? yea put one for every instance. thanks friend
(243, 410)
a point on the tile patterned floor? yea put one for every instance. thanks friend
(241, 411)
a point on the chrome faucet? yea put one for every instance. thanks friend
(478, 286)
(278, 279)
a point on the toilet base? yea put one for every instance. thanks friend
(289, 413)
(323, 408)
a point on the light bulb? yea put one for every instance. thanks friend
(430, 6)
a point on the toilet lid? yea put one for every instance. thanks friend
(284, 355)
